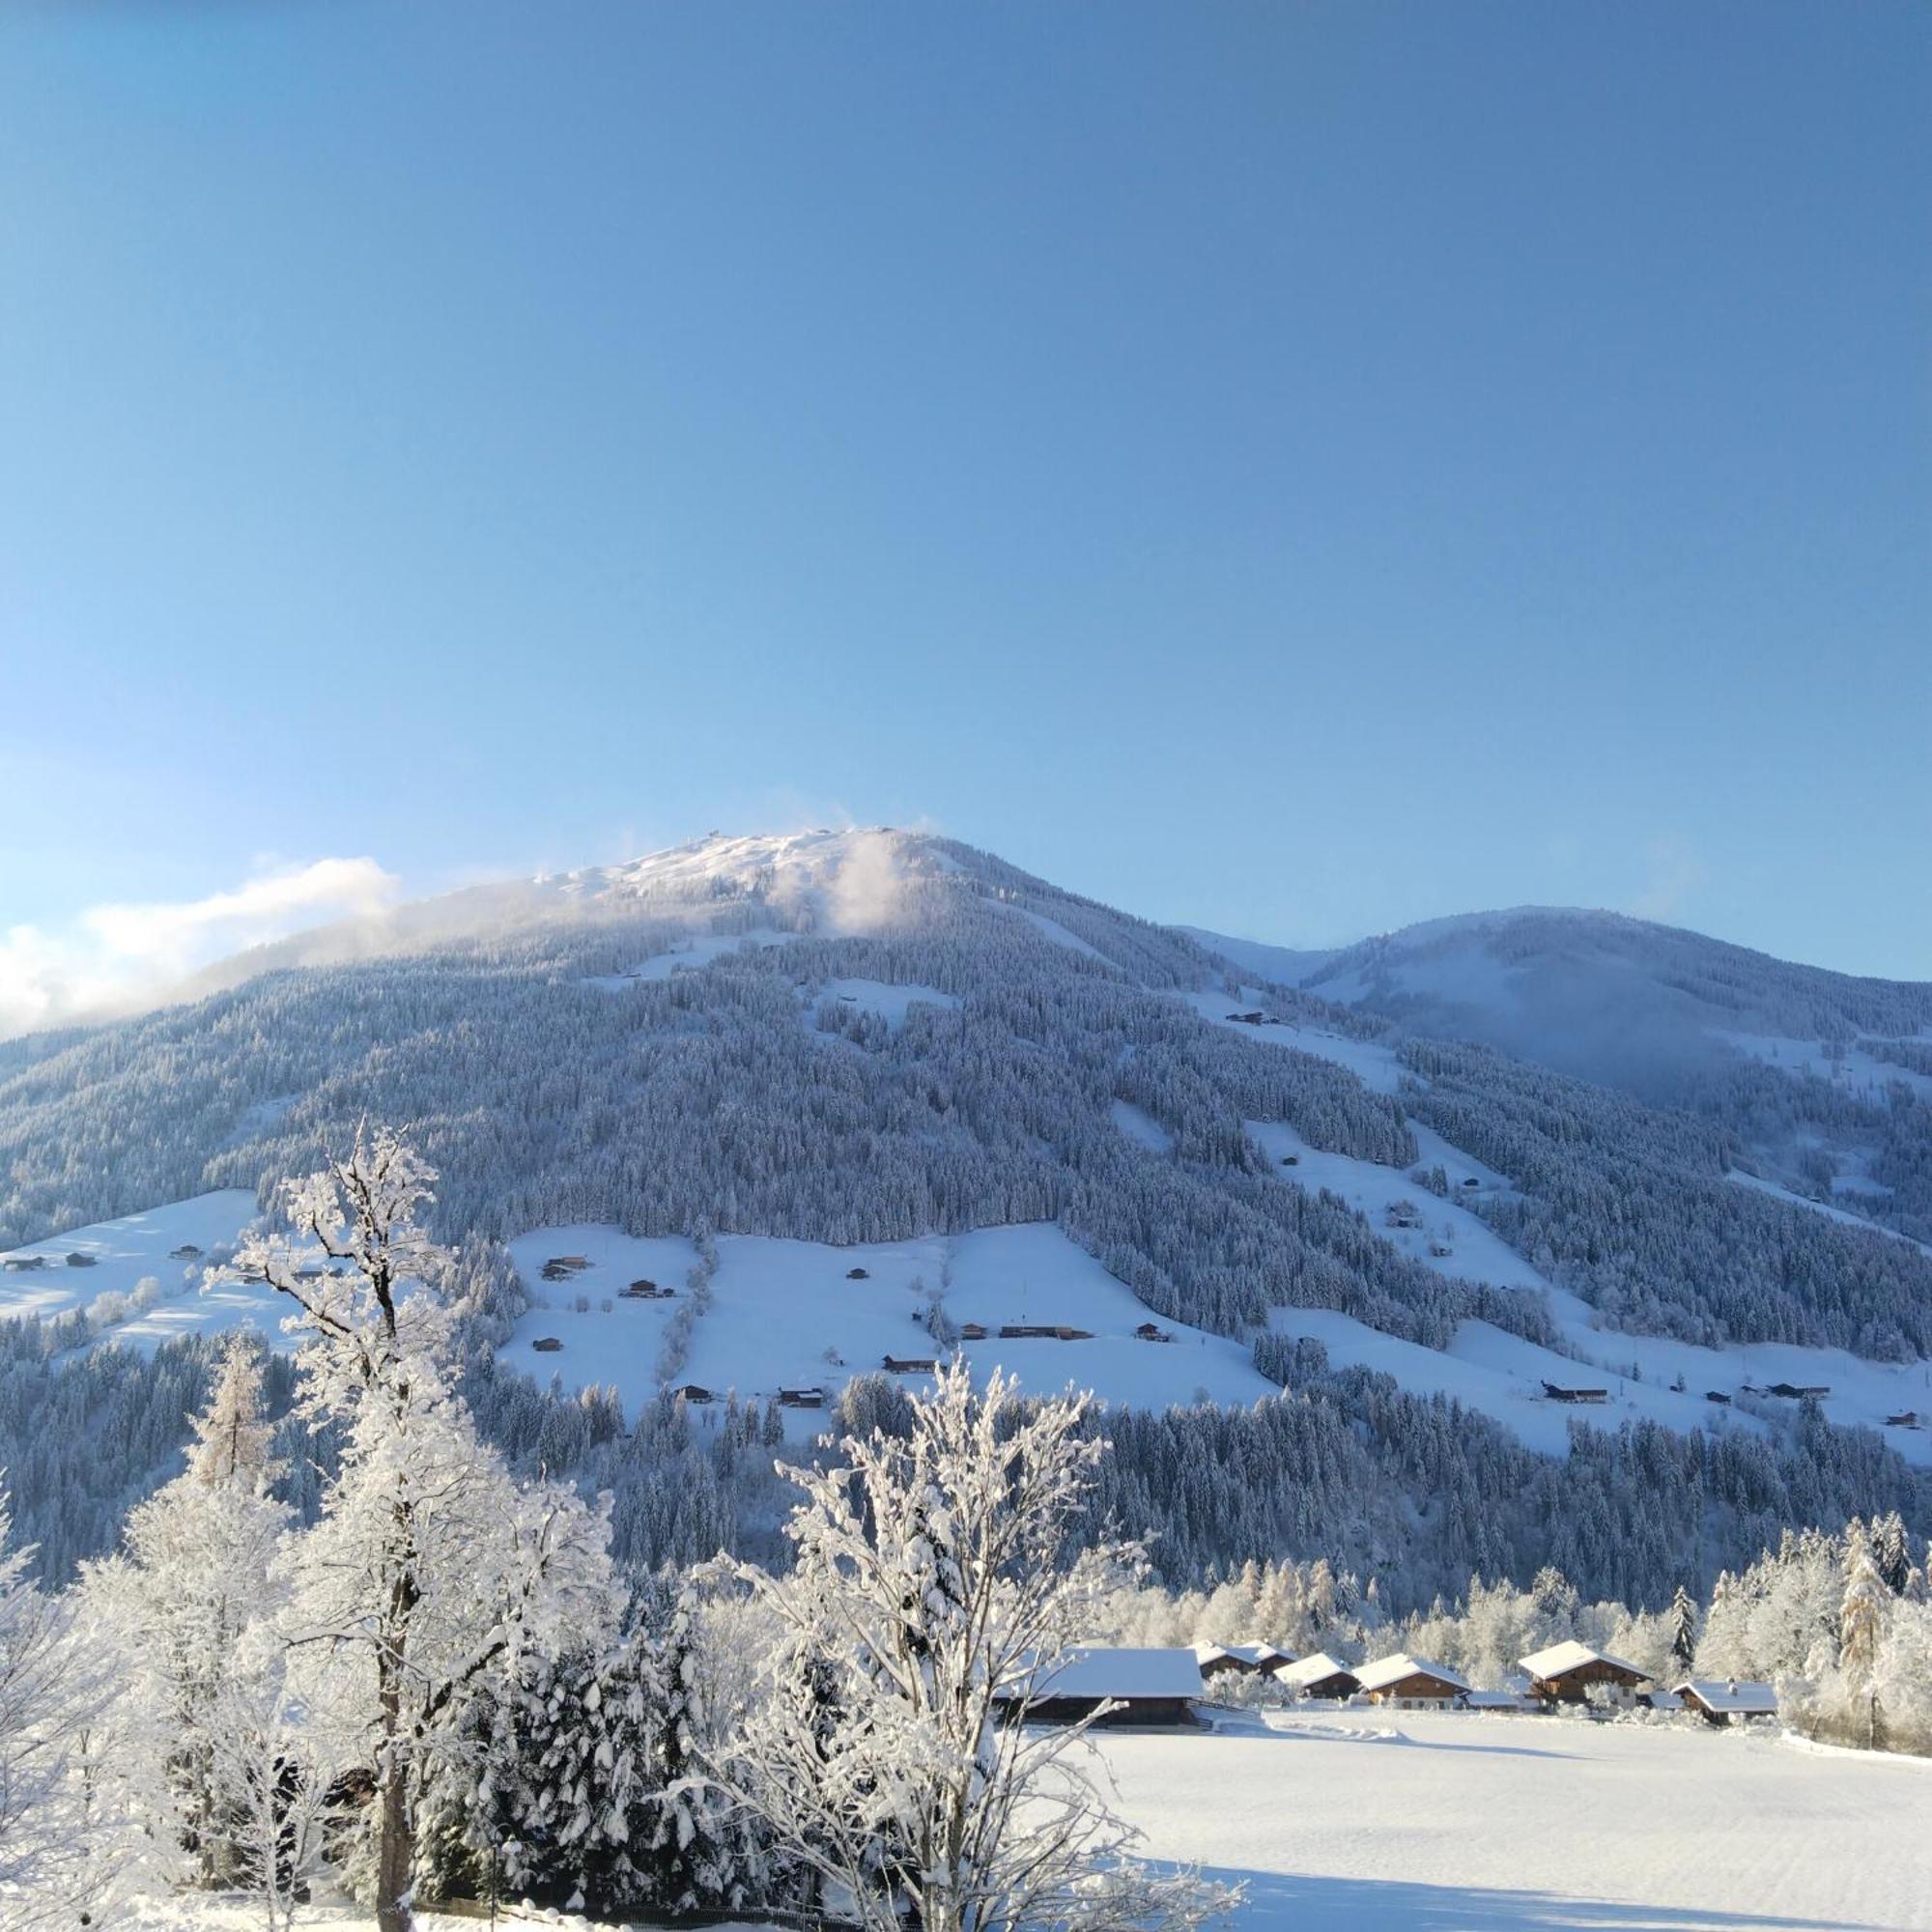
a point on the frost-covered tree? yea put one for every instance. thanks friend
(1862, 1613)
(176, 1606)
(49, 1696)
(931, 1578)
(431, 1569)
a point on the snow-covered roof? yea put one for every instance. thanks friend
(1311, 1671)
(1256, 1656)
(1387, 1670)
(1499, 1700)
(1560, 1658)
(1735, 1696)
(1102, 1673)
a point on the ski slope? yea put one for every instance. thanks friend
(787, 1314)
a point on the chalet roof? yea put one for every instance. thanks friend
(1562, 1658)
(1387, 1670)
(1256, 1656)
(1500, 1700)
(1735, 1697)
(1309, 1670)
(1106, 1672)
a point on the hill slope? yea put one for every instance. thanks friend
(744, 1054)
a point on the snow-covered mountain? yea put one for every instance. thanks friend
(864, 1094)
(1594, 992)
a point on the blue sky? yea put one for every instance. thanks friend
(1294, 468)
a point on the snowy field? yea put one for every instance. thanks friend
(1456, 1822)
(1863, 1075)
(138, 1247)
(1375, 1065)
(1502, 1376)
(1453, 1821)
(789, 1313)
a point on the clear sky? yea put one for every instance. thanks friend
(1290, 468)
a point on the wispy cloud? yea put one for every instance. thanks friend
(117, 958)
(1673, 874)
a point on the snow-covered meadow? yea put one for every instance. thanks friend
(1359, 1820)
(787, 1314)
(1456, 1820)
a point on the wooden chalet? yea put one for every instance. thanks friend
(1239, 1659)
(1404, 1680)
(694, 1392)
(1717, 1396)
(643, 1289)
(186, 1252)
(1556, 1392)
(78, 1260)
(857, 1274)
(1126, 1687)
(973, 1331)
(1906, 1418)
(1798, 1391)
(1727, 1700)
(909, 1365)
(1565, 1673)
(1042, 1331)
(547, 1345)
(1152, 1331)
(24, 1264)
(1317, 1676)
(802, 1398)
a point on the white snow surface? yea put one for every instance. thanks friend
(698, 949)
(778, 1306)
(1106, 1671)
(1138, 1125)
(1374, 1065)
(875, 995)
(1473, 1822)
(1466, 1820)
(1488, 1369)
(1861, 1074)
(134, 1246)
(1824, 1207)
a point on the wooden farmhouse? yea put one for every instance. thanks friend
(1558, 1392)
(1727, 1700)
(1317, 1676)
(1142, 1687)
(1567, 1672)
(1239, 1659)
(1406, 1682)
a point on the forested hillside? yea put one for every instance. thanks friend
(867, 1038)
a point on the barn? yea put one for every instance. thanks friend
(1145, 1687)
(1727, 1700)
(1317, 1676)
(1406, 1681)
(1565, 1673)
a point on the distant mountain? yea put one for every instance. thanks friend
(859, 1094)
(1594, 992)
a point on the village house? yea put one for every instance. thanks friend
(973, 1331)
(802, 1398)
(1556, 1392)
(1144, 1687)
(1152, 1331)
(694, 1392)
(909, 1365)
(1239, 1659)
(1317, 1676)
(1798, 1391)
(78, 1260)
(547, 1345)
(1410, 1682)
(1565, 1673)
(1727, 1700)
